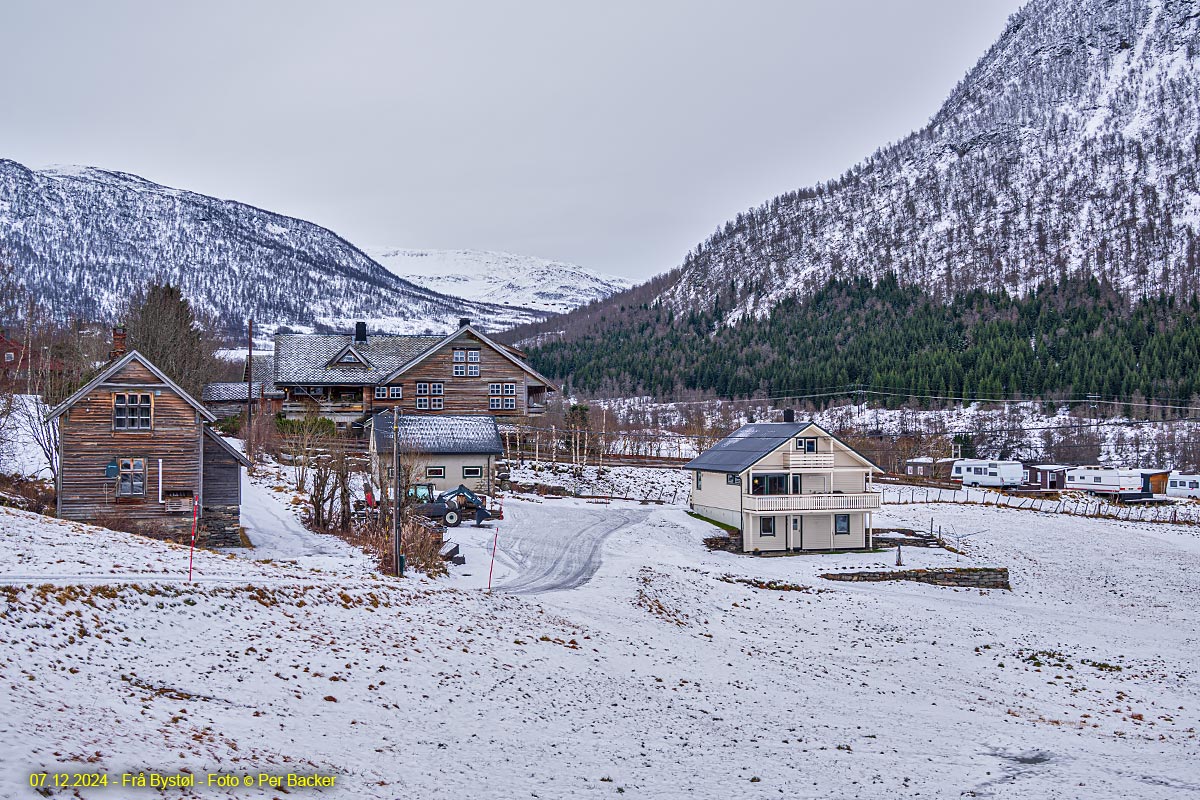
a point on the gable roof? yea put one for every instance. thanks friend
(227, 447)
(438, 435)
(262, 367)
(349, 356)
(113, 369)
(308, 358)
(499, 348)
(749, 444)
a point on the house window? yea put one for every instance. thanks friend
(806, 445)
(10, 356)
(381, 392)
(494, 404)
(769, 484)
(510, 403)
(396, 392)
(473, 356)
(766, 526)
(699, 477)
(435, 472)
(472, 370)
(1025, 476)
(472, 472)
(437, 388)
(436, 404)
(422, 403)
(131, 480)
(510, 388)
(422, 388)
(460, 370)
(131, 412)
(733, 480)
(841, 524)
(460, 356)
(494, 388)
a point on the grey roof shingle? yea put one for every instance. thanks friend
(262, 367)
(229, 392)
(445, 435)
(304, 358)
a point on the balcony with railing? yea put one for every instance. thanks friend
(810, 460)
(863, 501)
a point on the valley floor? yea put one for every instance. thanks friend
(616, 655)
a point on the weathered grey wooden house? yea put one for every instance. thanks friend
(135, 450)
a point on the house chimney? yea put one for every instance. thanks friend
(118, 343)
(360, 333)
(789, 415)
(464, 322)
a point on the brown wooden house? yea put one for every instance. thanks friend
(135, 449)
(349, 378)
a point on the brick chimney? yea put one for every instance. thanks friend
(118, 343)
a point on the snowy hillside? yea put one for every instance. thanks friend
(80, 238)
(511, 280)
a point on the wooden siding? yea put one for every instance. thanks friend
(89, 444)
(222, 476)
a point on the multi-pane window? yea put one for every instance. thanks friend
(381, 392)
(494, 403)
(437, 388)
(473, 356)
(510, 388)
(510, 403)
(472, 370)
(131, 412)
(460, 370)
(422, 403)
(806, 445)
(436, 403)
(396, 392)
(422, 388)
(460, 356)
(131, 480)
(494, 388)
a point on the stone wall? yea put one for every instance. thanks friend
(219, 527)
(967, 577)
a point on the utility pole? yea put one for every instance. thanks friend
(250, 387)
(397, 543)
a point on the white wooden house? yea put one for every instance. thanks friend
(787, 486)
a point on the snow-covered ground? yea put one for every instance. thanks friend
(656, 675)
(630, 483)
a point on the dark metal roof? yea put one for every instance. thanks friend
(305, 358)
(746, 446)
(445, 435)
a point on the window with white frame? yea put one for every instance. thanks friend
(436, 404)
(435, 472)
(396, 392)
(806, 445)
(473, 356)
(132, 412)
(10, 356)
(381, 392)
(460, 370)
(437, 388)
(494, 388)
(131, 480)
(510, 388)
(766, 526)
(841, 524)
(699, 479)
(460, 356)
(510, 403)
(422, 388)
(494, 404)
(472, 370)
(422, 404)
(472, 472)
(733, 480)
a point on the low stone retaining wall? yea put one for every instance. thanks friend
(967, 577)
(219, 527)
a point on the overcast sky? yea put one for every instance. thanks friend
(613, 134)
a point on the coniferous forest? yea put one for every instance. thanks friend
(1061, 342)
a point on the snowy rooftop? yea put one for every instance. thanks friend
(227, 392)
(439, 434)
(304, 358)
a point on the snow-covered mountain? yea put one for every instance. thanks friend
(81, 238)
(513, 280)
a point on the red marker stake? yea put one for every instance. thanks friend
(495, 542)
(192, 551)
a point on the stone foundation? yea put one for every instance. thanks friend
(967, 577)
(219, 527)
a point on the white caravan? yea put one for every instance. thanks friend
(1180, 485)
(981, 472)
(1104, 480)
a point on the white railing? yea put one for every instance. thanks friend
(865, 501)
(810, 460)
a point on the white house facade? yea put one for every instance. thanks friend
(787, 487)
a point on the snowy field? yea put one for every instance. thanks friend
(616, 655)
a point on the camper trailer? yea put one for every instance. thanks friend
(1107, 480)
(993, 474)
(1181, 485)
